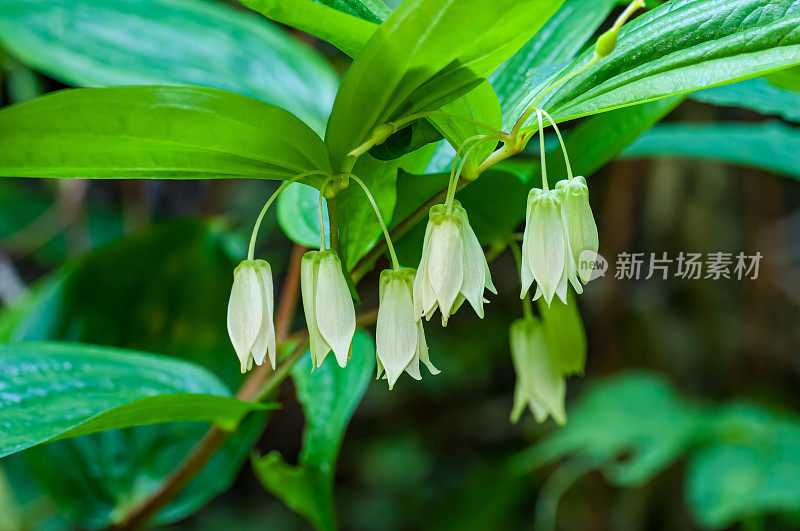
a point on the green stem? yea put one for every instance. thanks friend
(560, 141)
(545, 185)
(458, 167)
(252, 249)
(321, 219)
(333, 222)
(395, 262)
(557, 83)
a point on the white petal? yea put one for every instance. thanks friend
(526, 273)
(265, 342)
(422, 350)
(244, 311)
(446, 265)
(547, 246)
(424, 298)
(475, 268)
(309, 269)
(336, 315)
(396, 331)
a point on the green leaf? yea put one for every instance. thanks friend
(121, 296)
(769, 146)
(788, 78)
(298, 214)
(423, 56)
(370, 10)
(635, 414)
(565, 333)
(559, 41)
(54, 391)
(683, 46)
(345, 31)
(138, 42)
(155, 132)
(751, 470)
(329, 396)
(755, 94)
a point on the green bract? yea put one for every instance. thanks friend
(250, 312)
(330, 315)
(400, 338)
(453, 267)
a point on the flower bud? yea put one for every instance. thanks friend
(579, 223)
(540, 386)
(400, 338)
(250, 312)
(330, 314)
(453, 267)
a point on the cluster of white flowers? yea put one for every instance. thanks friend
(559, 232)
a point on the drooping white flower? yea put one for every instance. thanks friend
(250, 313)
(546, 253)
(540, 385)
(400, 338)
(328, 306)
(453, 267)
(579, 222)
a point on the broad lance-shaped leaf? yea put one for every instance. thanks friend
(53, 391)
(156, 132)
(75, 303)
(96, 43)
(682, 46)
(559, 41)
(769, 145)
(423, 56)
(343, 29)
(329, 396)
(756, 94)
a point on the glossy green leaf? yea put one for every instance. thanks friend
(423, 56)
(750, 469)
(755, 94)
(371, 10)
(162, 42)
(342, 29)
(155, 132)
(788, 78)
(54, 391)
(559, 41)
(683, 46)
(770, 146)
(329, 396)
(601, 427)
(121, 296)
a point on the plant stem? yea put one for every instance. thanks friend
(333, 222)
(273, 197)
(543, 154)
(395, 263)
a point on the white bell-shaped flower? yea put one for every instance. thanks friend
(546, 253)
(540, 385)
(328, 306)
(580, 225)
(400, 338)
(250, 314)
(453, 267)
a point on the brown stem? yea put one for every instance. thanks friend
(251, 389)
(262, 382)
